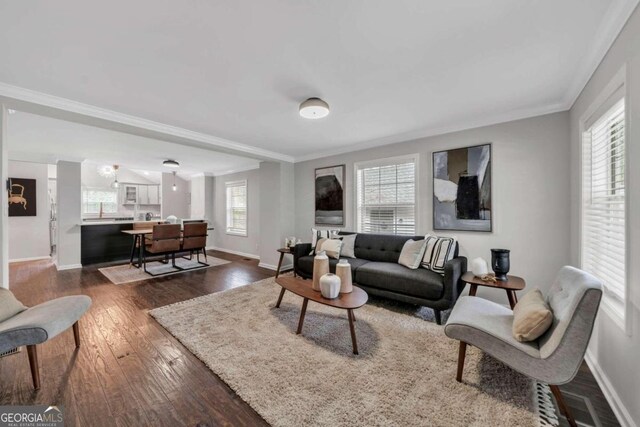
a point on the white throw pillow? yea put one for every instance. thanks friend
(412, 253)
(319, 234)
(331, 247)
(348, 245)
(438, 251)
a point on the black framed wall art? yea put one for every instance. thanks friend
(462, 189)
(22, 197)
(329, 195)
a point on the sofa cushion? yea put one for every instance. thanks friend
(421, 283)
(412, 253)
(9, 305)
(381, 247)
(305, 264)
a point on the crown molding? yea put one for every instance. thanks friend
(426, 133)
(236, 170)
(614, 20)
(18, 96)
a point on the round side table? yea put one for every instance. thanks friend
(512, 285)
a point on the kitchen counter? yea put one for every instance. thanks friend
(113, 221)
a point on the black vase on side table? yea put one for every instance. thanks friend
(500, 263)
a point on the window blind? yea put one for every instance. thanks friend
(603, 210)
(386, 198)
(237, 207)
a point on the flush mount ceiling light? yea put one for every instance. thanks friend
(171, 164)
(314, 108)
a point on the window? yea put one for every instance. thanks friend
(93, 197)
(603, 205)
(386, 196)
(237, 207)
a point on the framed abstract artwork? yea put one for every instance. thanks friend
(462, 189)
(22, 197)
(329, 195)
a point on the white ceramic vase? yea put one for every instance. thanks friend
(330, 286)
(343, 271)
(479, 267)
(320, 268)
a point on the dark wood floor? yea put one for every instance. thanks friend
(130, 371)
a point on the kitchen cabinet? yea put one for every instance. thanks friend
(140, 194)
(154, 194)
(143, 194)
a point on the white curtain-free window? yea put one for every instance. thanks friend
(386, 196)
(237, 207)
(92, 198)
(604, 203)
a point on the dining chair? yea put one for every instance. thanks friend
(194, 239)
(165, 240)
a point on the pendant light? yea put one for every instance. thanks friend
(174, 188)
(115, 183)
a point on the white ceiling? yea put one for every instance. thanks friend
(41, 139)
(390, 70)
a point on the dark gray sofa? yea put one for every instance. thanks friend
(376, 270)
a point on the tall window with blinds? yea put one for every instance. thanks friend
(603, 209)
(237, 207)
(386, 197)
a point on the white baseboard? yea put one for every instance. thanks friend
(68, 266)
(609, 392)
(229, 251)
(275, 267)
(33, 258)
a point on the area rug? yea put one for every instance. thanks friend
(404, 375)
(120, 274)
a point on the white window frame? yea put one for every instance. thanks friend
(229, 230)
(109, 190)
(415, 158)
(619, 311)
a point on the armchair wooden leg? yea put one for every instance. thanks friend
(563, 408)
(33, 363)
(76, 334)
(462, 352)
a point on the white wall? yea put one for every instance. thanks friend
(69, 206)
(248, 245)
(4, 199)
(175, 202)
(530, 193)
(29, 235)
(613, 354)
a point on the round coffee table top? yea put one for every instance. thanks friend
(514, 283)
(302, 288)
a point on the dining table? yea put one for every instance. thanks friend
(138, 235)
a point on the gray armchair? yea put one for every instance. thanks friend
(38, 324)
(556, 356)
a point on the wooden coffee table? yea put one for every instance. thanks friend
(302, 288)
(512, 285)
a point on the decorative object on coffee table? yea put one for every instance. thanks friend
(330, 286)
(349, 302)
(320, 268)
(343, 271)
(479, 267)
(462, 189)
(500, 263)
(511, 285)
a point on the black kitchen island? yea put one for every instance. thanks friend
(105, 242)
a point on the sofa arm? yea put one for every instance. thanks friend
(300, 250)
(453, 284)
